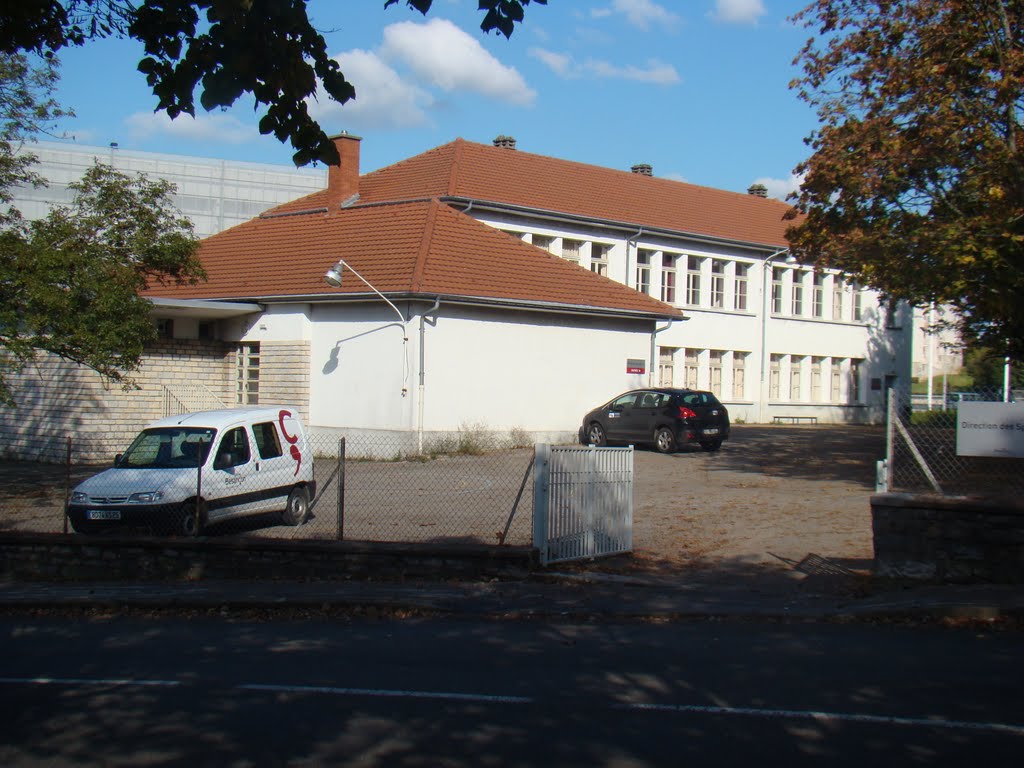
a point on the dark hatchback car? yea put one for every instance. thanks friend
(666, 418)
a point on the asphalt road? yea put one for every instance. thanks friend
(214, 691)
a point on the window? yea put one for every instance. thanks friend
(717, 283)
(643, 271)
(267, 442)
(797, 306)
(795, 369)
(571, 250)
(739, 299)
(247, 374)
(668, 278)
(233, 450)
(543, 241)
(837, 297)
(818, 295)
(775, 378)
(691, 369)
(164, 328)
(666, 372)
(693, 281)
(739, 375)
(858, 303)
(599, 258)
(836, 381)
(715, 369)
(777, 273)
(816, 365)
(854, 392)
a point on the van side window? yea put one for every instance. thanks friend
(233, 451)
(267, 442)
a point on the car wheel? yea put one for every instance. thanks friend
(595, 435)
(664, 440)
(297, 510)
(193, 518)
(710, 445)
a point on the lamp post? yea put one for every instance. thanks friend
(765, 311)
(333, 277)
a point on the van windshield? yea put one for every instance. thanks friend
(168, 447)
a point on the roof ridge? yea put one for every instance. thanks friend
(424, 250)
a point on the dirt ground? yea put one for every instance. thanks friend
(774, 497)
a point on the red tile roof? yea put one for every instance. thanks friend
(422, 247)
(481, 172)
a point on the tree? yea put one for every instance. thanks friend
(70, 283)
(916, 182)
(267, 48)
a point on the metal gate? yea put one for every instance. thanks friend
(582, 502)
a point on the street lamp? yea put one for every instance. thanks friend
(333, 277)
(765, 311)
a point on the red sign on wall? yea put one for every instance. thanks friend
(636, 366)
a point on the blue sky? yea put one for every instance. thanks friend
(697, 88)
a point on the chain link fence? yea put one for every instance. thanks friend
(468, 486)
(923, 455)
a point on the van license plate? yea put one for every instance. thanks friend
(711, 431)
(104, 514)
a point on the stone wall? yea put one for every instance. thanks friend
(56, 399)
(948, 539)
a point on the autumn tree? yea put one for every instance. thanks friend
(222, 48)
(70, 283)
(916, 182)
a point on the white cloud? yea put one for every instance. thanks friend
(644, 13)
(738, 11)
(442, 55)
(565, 66)
(383, 99)
(217, 127)
(780, 189)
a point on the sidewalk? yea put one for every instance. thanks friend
(551, 596)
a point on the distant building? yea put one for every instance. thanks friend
(214, 194)
(938, 348)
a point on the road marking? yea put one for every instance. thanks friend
(86, 681)
(483, 697)
(849, 717)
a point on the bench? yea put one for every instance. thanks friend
(794, 419)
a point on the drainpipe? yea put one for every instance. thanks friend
(654, 350)
(422, 385)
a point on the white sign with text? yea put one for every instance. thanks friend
(990, 429)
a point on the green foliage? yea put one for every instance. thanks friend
(70, 283)
(224, 48)
(986, 368)
(916, 182)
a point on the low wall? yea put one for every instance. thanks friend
(947, 538)
(57, 557)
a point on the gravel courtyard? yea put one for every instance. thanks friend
(770, 498)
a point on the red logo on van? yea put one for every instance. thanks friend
(292, 439)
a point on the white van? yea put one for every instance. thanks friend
(184, 472)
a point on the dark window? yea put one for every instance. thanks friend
(233, 451)
(267, 442)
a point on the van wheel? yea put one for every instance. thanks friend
(297, 511)
(193, 518)
(664, 440)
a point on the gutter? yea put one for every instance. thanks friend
(423, 375)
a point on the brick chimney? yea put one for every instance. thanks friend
(504, 142)
(757, 190)
(644, 169)
(343, 179)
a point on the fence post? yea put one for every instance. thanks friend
(67, 484)
(341, 489)
(541, 498)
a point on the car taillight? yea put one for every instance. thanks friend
(686, 413)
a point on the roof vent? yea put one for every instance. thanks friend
(644, 169)
(505, 142)
(757, 190)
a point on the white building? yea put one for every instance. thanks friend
(487, 286)
(214, 194)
